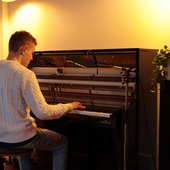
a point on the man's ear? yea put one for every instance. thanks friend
(23, 49)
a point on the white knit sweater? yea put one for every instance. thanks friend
(20, 92)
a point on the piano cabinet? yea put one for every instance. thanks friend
(112, 81)
(94, 144)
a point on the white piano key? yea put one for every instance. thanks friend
(91, 113)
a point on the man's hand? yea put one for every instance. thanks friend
(77, 105)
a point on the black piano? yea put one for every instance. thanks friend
(106, 81)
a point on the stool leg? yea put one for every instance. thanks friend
(9, 165)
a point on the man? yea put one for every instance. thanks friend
(20, 93)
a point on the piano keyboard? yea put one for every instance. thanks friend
(91, 113)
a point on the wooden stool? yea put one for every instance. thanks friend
(11, 153)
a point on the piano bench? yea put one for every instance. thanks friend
(9, 164)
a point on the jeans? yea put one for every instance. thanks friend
(47, 140)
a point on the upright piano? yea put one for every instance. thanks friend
(106, 81)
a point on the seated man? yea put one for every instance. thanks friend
(20, 93)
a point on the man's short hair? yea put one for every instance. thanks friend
(20, 38)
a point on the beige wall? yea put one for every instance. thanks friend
(1, 47)
(92, 24)
(4, 30)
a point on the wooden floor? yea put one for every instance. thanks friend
(76, 162)
(43, 161)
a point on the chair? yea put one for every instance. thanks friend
(11, 154)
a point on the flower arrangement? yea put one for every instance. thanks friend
(160, 62)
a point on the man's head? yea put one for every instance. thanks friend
(22, 44)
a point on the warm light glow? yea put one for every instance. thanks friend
(27, 17)
(161, 9)
(153, 19)
(68, 25)
(157, 11)
(26, 13)
(8, 0)
(5, 29)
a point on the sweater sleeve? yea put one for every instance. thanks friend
(36, 101)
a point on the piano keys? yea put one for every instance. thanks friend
(92, 113)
